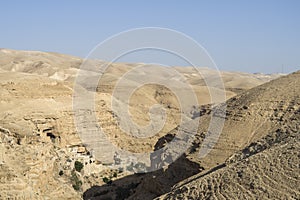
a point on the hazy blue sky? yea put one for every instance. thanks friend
(251, 36)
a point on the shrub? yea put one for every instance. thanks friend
(115, 174)
(107, 180)
(78, 166)
(76, 183)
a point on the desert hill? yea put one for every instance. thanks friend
(258, 145)
(65, 67)
(268, 166)
(40, 144)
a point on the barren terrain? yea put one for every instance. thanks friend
(256, 156)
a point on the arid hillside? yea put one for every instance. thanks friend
(256, 156)
(267, 164)
(41, 153)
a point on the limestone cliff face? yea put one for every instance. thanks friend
(29, 169)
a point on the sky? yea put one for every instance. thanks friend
(249, 36)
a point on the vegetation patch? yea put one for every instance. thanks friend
(78, 166)
(76, 183)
